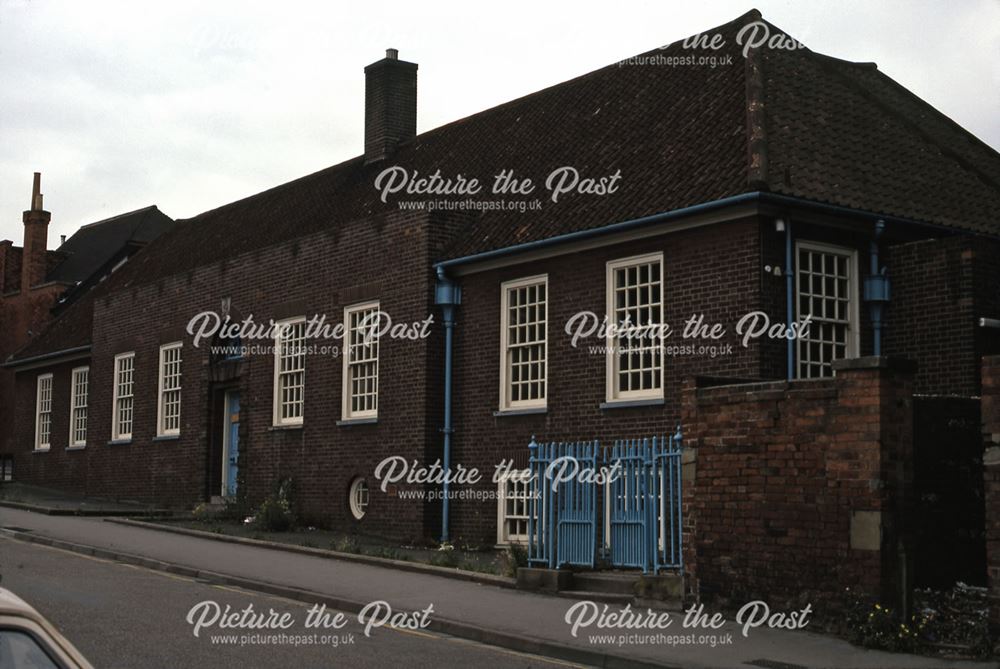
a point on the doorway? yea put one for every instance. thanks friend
(230, 443)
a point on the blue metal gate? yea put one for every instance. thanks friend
(640, 484)
(562, 518)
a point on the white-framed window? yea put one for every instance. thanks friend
(168, 407)
(826, 288)
(289, 371)
(123, 402)
(357, 497)
(635, 344)
(360, 396)
(43, 413)
(513, 506)
(79, 390)
(524, 342)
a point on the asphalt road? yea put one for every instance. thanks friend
(120, 615)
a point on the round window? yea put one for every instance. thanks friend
(358, 498)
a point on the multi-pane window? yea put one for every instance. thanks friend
(123, 402)
(78, 406)
(361, 361)
(523, 342)
(826, 290)
(43, 413)
(289, 371)
(168, 420)
(6, 468)
(635, 312)
(513, 507)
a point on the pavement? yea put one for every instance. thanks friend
(125, 616)
(55, 502)
(526, 622)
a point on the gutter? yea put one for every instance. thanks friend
(45, 357)
(601, 231)
(758, 197)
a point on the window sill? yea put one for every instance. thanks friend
(628, 404)
(509, 543)
(78, 447)
(120, 442)
(527, 411)
(357, 421)
(167, 437)
(41, 450)
(282, 428)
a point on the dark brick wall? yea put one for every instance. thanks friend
(781, 469)
(21, 314)
(58, 467)
(388, 258)
(940, 288)
(991, 462)
(712, 270)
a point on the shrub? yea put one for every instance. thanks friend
(872, 625)
(345, 545)
(513, 558)
(275, 513)
(204, 513)
(446, 556)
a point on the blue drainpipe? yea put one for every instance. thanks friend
(877, 290)
(789, 295)
(448, 296)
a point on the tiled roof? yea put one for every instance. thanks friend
(789, 121)
(70, 330)
(90, 250)
(832, 131)
(93, 245)
(847, 134)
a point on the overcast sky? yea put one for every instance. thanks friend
(190, 105)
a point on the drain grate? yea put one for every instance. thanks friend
(774, 664)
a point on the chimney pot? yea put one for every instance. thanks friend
(36, 193)
(62, 239)
(36, 229)
(390, 105)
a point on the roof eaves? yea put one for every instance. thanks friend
(67, 353)
(621, 226)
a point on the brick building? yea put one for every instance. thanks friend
(710, 182)
(37, 283)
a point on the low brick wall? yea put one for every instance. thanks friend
(799, 488)
(991, 473)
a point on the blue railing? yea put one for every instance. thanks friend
(639, 481)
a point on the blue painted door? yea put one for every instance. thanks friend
(231, 466)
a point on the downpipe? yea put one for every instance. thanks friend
(448, 296)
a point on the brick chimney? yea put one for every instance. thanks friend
(36, 233)
(390, 105)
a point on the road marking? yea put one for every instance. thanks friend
(426, 635)
(506, 651)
